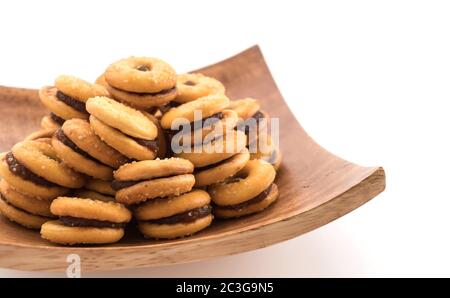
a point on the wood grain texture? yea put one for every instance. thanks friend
(315, 186)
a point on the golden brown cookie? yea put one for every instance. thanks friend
(255, 178)
(57, 232)
(255, 205)
(18, 216)
(205, 130)
(123, 118)
(40, 159)
(81, 149)
(133, 148)
(192, 86)
(139, 181)
(86, 221)
(23, 202)
(203, 108)
(79, 89)
(175, 216)
(62, 105)
(216, 151)
(25, 181)
(143, 101)
(216, 173)
(141, 75)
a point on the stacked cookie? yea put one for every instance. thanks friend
(170, 150)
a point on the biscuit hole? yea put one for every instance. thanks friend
(190, 83)
(144, 67)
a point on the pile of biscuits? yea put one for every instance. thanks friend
(117, 151)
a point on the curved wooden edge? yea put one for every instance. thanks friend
(271, 233)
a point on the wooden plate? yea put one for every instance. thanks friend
(315, 186)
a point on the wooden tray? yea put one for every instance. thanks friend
(315, 186)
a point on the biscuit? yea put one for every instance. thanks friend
(217, 150)
(85, 221)
(143, 101)
(133, 148)
(161, 178)
(18, 216)
(192, 86)
(252, 180)
(81, 149)
(141, 75)
(79, 89)
(206, 129)
(207, 106)
(62, 105)
(41, 160)
(55, 231)
(26, 182)
(23, 202)
(123, 118)
(255, 205)
(176, 216)
(216, 173)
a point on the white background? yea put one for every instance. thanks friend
(369, 80)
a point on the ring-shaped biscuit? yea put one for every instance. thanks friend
(79, 89)
(41, 159)
(141, 75)
(212, 131)
(143, 100)
(222, 171)
(83, 136)
(246, 209)
(171, 231)
(148, 169)
(253, 179)
(121, 117)
(160, 187)
(220, 149)
(87, 208)
(54, 231)
(207, 106)
(26, 203)
(48, 98)
(23, 218)
(166, 207)
(123, 143)
(28, 187)
(191, 86)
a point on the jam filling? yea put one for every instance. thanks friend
(255, 200)
(20, 170)
(61, 136)
(118, 185)
(185, 217)
(76, 104)
(196, 124)
(58, 120)
(82, 222)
